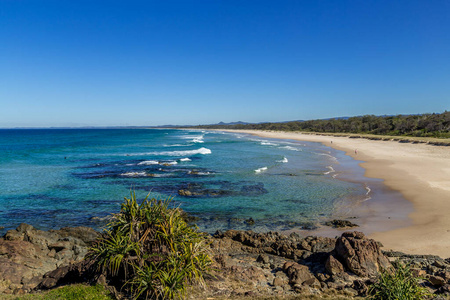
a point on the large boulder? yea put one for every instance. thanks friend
(27, 253)
(298, 274)
(333, 266)
(361, 255)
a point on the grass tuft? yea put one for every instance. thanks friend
(68, 292)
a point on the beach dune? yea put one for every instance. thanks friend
(420, 172)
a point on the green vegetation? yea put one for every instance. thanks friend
(149, 251)
(69, 292)
(399, 284)
(424, 125)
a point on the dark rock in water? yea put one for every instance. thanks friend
(250, 221)
(340, 224)
(360, 255)
(198, 190)
(309, 226)
(188, 218)
(253, 190)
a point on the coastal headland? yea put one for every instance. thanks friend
(419, 171)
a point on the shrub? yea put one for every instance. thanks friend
(150, 250)
(398, 284)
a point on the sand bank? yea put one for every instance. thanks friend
(420, 172)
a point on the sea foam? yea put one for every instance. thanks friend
(134, 174)
(266, 143)
(284, 160)
(331, 170)
(202, 150)
(148, 162)
(261, 170)
(291, 148)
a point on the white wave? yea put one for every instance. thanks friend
(291, 148)
(331, 170)
(149, 162)
(202, 150)
(178, 145)
(133, 174)
(261, 170)
(266, 143)
(199, 173)
(204, 173)
(194, 138)
(326, 154)
(284, 160)
(185, 159)
(169, 163)
(198, 140)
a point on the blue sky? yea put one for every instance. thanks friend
(101, 63)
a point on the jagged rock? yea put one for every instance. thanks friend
(27, 253)
(277, 281)
(263, 259)
(444, 289)
(333, 266)
(360, 255)
(298, 274)
(85, 234)
(437, 280)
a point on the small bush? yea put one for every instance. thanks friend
(150, 250)
(398, 284)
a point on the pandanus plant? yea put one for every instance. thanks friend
(150, 250)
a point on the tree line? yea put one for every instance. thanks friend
(423, 125)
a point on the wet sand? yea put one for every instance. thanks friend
(420, 172)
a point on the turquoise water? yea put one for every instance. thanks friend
(52, 178)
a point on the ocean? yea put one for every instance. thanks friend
(52, 178)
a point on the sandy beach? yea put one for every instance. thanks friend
(420, 172)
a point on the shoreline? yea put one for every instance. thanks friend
(420, 172)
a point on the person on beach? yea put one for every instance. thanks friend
(356, 151)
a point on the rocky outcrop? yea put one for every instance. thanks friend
(245, 263)
(360, 255)
(290, 264)
(26, 254)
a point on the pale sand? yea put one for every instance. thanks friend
(420, 172)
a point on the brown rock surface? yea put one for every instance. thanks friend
(26, 254)
(360, 255)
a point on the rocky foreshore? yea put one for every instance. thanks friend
(245, 263)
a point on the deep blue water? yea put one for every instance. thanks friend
(52, 178)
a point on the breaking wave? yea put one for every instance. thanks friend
(261, 170)
(134, 174)
(291, 148)
(284, 160)
(202, 151)
(149, 162)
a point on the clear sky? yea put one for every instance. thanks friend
(101, 63)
